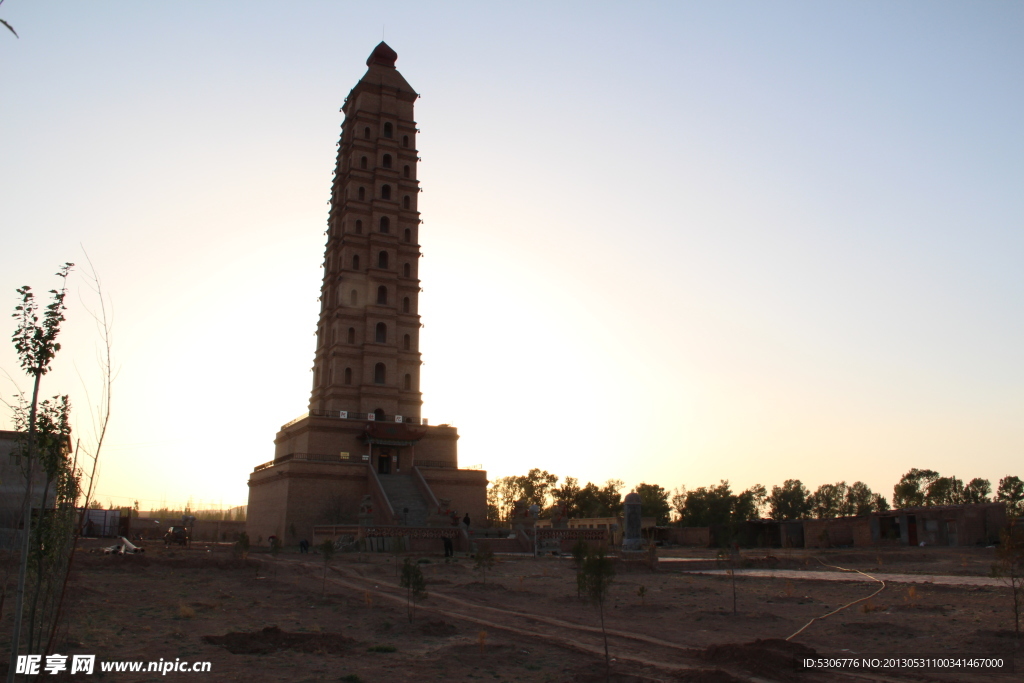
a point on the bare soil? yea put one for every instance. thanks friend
(276, 619)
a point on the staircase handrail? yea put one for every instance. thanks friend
(525, 538)
(425, 491)
(380, 496)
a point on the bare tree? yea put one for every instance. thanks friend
(1010, 568)
(99, 414)
(414, 583)
(593, 580)
(483, 559)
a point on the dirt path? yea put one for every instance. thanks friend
(665, 656)
(525, 624)
(582, 638)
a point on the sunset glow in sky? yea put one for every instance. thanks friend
(672, 242)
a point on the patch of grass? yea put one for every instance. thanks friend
(382, 648)
(351, 678)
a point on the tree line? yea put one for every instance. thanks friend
(712, 505)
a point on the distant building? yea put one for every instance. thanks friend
(950, 525)
(613, 525)
(12, 487)
(933, 525)
(936, 525)
(363, 434)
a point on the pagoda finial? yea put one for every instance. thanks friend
(383, 55)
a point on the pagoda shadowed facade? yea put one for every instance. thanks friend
(364, 434)
(367, 357)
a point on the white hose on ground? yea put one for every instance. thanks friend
(835, 611)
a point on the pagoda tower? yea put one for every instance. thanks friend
(363, 453)
(367, 354)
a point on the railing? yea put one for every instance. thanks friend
(348, 415)
(387, 531)
(314, 457)
(436, 463)
(354, 458)
(380, 497)
(425, 491)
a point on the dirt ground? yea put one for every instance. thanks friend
(276, 619)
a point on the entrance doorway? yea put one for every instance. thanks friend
(911, 530)
(384, 461)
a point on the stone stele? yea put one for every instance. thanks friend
(631, 539)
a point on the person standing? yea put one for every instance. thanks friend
(465, 521)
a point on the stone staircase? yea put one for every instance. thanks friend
(402, 493)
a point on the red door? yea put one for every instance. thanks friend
(912, 529)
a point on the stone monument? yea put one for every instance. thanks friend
(631, 539)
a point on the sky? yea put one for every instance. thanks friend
(665, 242)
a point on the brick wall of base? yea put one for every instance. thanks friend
(321, 472)
(466, 489)
(288, 499)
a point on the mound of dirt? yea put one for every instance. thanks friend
(790, 600)
(616, 677)
(763, 616)
(595, 673)
(778, 658)
(272, 639)
(646, 608)
(94, 559)
(480, 586)
(1003, 633)
(941, 609)
(220, 562)
(877, 627)
(489, 650)
(706, 676)
(438, 628)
